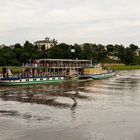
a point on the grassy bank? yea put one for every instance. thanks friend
(111, 66)
(124, 67)
(13, 68)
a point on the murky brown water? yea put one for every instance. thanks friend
(105, 110)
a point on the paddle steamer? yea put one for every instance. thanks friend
(44, 71)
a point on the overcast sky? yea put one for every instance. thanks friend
(70, 21)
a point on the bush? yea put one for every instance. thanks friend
(14, 63)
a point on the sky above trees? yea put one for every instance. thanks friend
(70, 21)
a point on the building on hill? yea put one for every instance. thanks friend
(45, 44)
(115, 58)
(137, 52)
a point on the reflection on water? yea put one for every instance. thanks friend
(102, 110)
(48, 94)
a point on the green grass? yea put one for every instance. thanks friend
(13, 68)
(108, 60)
(124, 67)
(114, 67)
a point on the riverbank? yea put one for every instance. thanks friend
(13, 68)
(125, 67)
(111, 66)
(121, 66)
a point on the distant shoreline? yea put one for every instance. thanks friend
(114, 66)
(122, 66)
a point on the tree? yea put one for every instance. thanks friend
(110, 48)
(2, 60)
(102, 52)
(87, 49)
(133, 47)
(128, 56)
(61, 51)
(78, 52)
(29, 46)
(55, 42)
(17, 46)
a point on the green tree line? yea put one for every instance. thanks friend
(19, 54)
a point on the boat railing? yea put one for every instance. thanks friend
(57, 65)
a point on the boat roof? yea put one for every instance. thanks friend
(78, 60)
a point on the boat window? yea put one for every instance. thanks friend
(27, 79)
(20, 80)
(34, 79)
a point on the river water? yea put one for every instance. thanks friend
(106, 110)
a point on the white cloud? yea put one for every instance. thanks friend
(97, 21)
